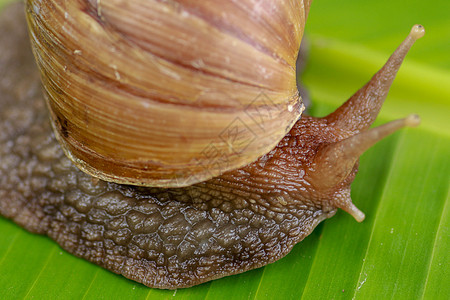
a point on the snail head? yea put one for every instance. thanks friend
(322, 154)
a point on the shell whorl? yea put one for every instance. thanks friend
(168, 93)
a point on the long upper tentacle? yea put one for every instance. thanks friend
(360, 111)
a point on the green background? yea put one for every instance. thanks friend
(400, 251)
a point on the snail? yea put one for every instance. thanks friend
(241, 178)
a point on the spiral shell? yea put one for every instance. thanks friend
(168, 93)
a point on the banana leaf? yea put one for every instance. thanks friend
(400, 251)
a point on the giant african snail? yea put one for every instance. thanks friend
(141, 92)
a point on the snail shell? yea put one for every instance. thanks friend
(139, 90)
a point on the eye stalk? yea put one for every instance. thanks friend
(360, 111)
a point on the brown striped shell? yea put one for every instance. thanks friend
(168, 93)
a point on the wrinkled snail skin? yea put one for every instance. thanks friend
(179, 237)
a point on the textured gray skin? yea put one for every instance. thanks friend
(162, 238)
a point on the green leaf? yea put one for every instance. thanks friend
(400, 251)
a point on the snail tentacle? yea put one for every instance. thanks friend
(335, 161)
(361, 110)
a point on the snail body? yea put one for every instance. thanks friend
(171, 237)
